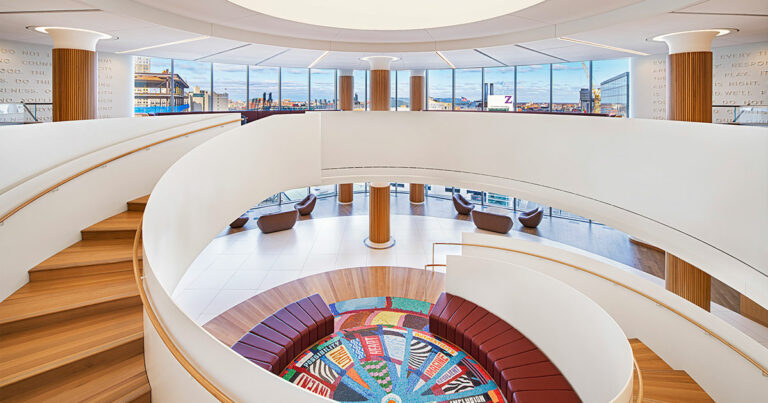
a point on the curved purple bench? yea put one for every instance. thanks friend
(279, 338)
(522, 371)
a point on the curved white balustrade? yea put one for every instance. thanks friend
(660, 181)
(35, 157)
(580, 338)
(723, 374)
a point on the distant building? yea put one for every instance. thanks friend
(614, 95)
(585, 99)
(436, 105)
(221, 101)
(153, 92)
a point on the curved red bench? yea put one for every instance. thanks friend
(279, 338)
(522, 371)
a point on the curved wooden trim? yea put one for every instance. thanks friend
(639, 380)
(618, 283)
(177, 354)
(85, 171)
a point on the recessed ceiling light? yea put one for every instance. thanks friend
(445, 59)
(318, 59)
(600, 45)
(719, 31)
(388, 16)
(197, 38)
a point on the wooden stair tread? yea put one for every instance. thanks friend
(646, 358)
(661, 383)
(38, 298)
(32, 352)
(125, 221)
(124, 381)
(90, 252)
(138, 204)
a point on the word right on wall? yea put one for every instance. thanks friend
(739, 84)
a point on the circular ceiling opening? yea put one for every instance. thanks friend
(385, 16)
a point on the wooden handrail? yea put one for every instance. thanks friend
(85, 171)
(618, 283)
(639, 380)
(138, 274)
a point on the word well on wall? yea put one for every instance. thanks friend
(26, 80)
(739, 84)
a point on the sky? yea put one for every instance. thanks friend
(532, 85)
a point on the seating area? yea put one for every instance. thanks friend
(279, 338)
(520, 369)
(306, 205)
(532, 218)
(280, 221)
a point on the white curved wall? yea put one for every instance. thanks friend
(659, 181)
(724, 375)
(34, 157)
(575, 333)
(697, 190)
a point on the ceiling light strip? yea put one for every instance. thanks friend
(321, 57)
(542, 53)
(76, 10)
(223, 51)
(448, 62)
(197, 38)
(491, 57)
(600, 45)
(271, 57)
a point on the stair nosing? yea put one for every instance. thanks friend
(69, 307)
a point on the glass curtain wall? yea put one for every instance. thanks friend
(403, 101)
(468, 94)
(229, 87)
(322, 89)
(610, 84)
(294, 88)
(393, 90)
(533, 93)
(499, 88)
(360, 97)
(196, 97)
(570, 87)
(154, 89)
(264, 88)
(439, 89)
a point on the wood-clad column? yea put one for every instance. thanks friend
(416, 192)
(378, 217)
(687, 281)
(346, 101)
(689, 98)
(689, 86)
(75, 84)
(378, 212)
(75, 80)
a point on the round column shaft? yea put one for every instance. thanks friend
(346, 102)
(378, 217)
(416, 192)
(75, 73)
(689, 98)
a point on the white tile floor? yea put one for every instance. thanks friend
(235, 267)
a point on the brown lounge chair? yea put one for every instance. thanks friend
(306, 205)
(462, 205)
(277, 221)
(238, 223)
(531, 219)
(492, 222)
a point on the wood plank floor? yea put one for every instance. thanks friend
(596, 238)
(333, 286)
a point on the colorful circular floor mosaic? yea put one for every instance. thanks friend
(403, 312)
(391, 364)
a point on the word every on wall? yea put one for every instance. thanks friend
(739, 84)
(26, 74)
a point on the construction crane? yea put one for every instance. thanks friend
(595, 91)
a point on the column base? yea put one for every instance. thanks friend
(418, 203)
(376, 245)
(341, 202)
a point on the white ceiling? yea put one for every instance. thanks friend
(233, 30)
